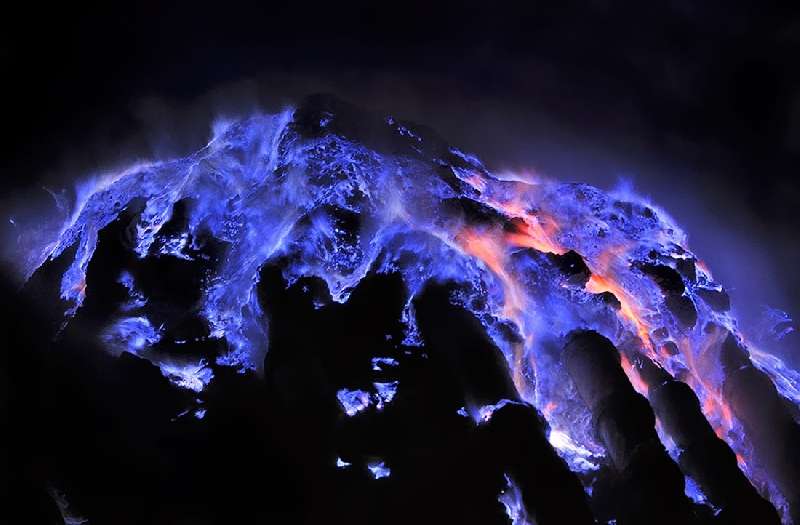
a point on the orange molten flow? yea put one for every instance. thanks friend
(630, 309)
(714, 406)
(633, 376)
(539, 232)
(602, 280)
(488, 247)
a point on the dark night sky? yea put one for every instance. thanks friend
(697, 103)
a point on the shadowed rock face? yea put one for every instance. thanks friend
(550, 492)
(671, 284)
(704, 456)
(767, 417)
(626, 425)
(371, 325)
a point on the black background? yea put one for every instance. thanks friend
(697, 103)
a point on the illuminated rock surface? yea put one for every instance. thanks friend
(311, 299)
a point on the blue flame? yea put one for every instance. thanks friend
(379, 470)
(192, 376)
(131, 334)
(381, 363)
(511, 498)
(353, 401)
(333, 208)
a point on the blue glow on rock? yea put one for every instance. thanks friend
(137, 299)
(694, 492)
(511, 498)
(786, 380)
(353, 401)
(266, 191)
(340, 463)
(379, 364)
(130, 334)
(385, 393)
(176, 246)
(577, 457)
(484, 413)
(192, 376)
(379, 470)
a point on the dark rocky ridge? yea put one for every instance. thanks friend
(267, 448)
(650, 486)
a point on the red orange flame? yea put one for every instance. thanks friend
(540, 231)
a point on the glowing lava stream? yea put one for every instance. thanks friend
(714, 406)
(491, 251)
(326, 206)
(491, 248)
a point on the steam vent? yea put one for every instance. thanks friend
(332, 316)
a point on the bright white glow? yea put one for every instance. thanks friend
(193, 376)
(579, 458)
